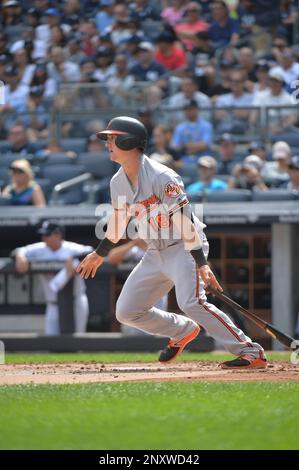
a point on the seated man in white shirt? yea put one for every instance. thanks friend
(53, 247)
(276, 119)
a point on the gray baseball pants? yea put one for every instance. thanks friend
(153, 277)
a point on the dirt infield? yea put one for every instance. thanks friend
(69, 373)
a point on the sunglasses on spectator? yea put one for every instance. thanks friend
(17, 171)
(237, 81)
(192, 10)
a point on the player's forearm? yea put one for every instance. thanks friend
(115, 230)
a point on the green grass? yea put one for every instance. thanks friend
(150, 416)
(119, 357)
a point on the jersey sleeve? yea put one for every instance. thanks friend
(169, 187)
(31, 252)
(117, 201)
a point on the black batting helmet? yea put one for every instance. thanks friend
(130, 133)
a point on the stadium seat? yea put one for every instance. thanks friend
(233, 195)
(45, 185)
(4, 176)
(77, 145)
(273, 195)
(98, 164)
(189, 169)
(4, 146)
(58, 173)
(195, 197)
(59, 159)
(292, 138)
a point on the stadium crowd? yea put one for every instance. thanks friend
(213, 81)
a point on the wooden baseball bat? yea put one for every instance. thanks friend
(270, 329)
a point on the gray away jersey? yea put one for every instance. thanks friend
(159, 194)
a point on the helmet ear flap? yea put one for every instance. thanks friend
(126, 142)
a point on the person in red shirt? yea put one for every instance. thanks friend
(192, 24)
(168, 54)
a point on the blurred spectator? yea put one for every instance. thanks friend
(247, 175)
(33, 17)
(143, 10)
(70, 8)
(219, 83)
(94, 144)
(73, 52)
(11, 13)
(35, 48)
(267, 17)
(41, 78)
(226, 154)
(35, 117)
(87, 70)
(277, 119)
(279, 45)
(53, 247)
(258, 148)
(247, 63)
(174, 13)
(120, 82)
(289, 68)
(119, 30)
(103, 60)
(23, 190)
(168, 54)
(131, 49)
(262, 75)
(52, 147)
(236, 121)
(293, 170)
(277, 169)
(24, 66)
(61, 70)
(147, 69)
(15, 95)
(89, 34)
(207, 169)
(58, 36)
(289, 17)
(161, 150)
(105, 17)
(3, 46)
(202, 53)
(192, 24)
(223, 30)
(189, 91)
(192, 137)
(145, 116)
(18, 140)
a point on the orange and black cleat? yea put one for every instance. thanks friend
(174, 348)
(246, 362)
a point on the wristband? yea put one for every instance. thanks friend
(104, 247)
(199, 257)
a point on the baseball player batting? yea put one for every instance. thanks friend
(155, 196)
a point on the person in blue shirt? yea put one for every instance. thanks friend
(207, 168)
(105, 18)
(223, 30)
(192, 137)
